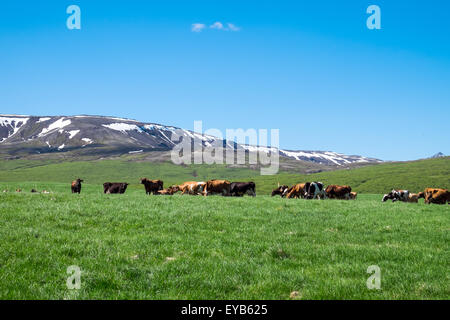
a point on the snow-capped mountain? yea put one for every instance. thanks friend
(99, 135)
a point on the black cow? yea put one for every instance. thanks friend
(76, 186)
(115, 187)
(314, 190)
(281, 191)
(238, 189)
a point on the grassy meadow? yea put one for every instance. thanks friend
(134, 246)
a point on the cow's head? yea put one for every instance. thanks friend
(144, 180)
(79, 180)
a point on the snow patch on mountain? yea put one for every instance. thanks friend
(58, 124)
(122, 127)
(12, 124)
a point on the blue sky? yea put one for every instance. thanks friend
(309, 68)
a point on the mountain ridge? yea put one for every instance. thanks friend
(22, 135)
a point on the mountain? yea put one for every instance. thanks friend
(102, 136)
(437, 155)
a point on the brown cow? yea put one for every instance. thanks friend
(167, 192)
(353, 195)
(296, 191)
(152, 186)
(215, 186)
(338, 192)
(191, 187)
(76, 186)
(438, 196)
(413, 197)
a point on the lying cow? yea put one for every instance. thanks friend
(115, 187)
(191, 187)
(338, 192)
(396, 195)
(76, 186)
(296, 191)
(353, 195)
(167, 192)
(238, 189)
(437, 196)
(413, 197)
(152, 186)
(281, 191)
(314, 190)
(215, 186)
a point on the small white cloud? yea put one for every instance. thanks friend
(197, 27)
(232, 27)
(217, 25)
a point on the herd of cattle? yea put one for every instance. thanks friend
(307, 190)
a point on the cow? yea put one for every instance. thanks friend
(34, 191)
(76, 186)
(296, 191)
(281, 191)
(168, 192)
(19, 190)
(215, 186)
(437, 196)
(191, 187)
(413, 197)
(152, 186)
(353, 195)
(338, 192)
(314, 190)
(115, 187)
(238, 189)
(396, 195)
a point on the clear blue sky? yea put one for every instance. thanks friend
(309, 68)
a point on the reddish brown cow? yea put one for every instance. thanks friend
(437, 196)
(338, 192)
(296, 191)
(222, 187)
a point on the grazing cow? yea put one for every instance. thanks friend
(19, 190)
(296, 191)
(314, 190)
(115, 187)
(338, 192)
(76, 186)
(191, 187)
(34, 191)
(421, 195)
(396, 195)
(238, 189)
(413, 197)
(281, 190)
(215, 186)
(437, 196)
(152, 186)
(353, 195)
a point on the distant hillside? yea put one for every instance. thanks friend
(81, 137)
(414, 176)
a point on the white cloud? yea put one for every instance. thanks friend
(197, 27)
(217, 25)
(232, 27)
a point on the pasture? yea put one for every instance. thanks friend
(134, 246)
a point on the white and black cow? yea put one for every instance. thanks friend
(314, 190)
(238, 189)
(396, 195)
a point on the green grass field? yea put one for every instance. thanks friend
(134, 246)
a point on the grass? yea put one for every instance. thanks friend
(134, 246)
